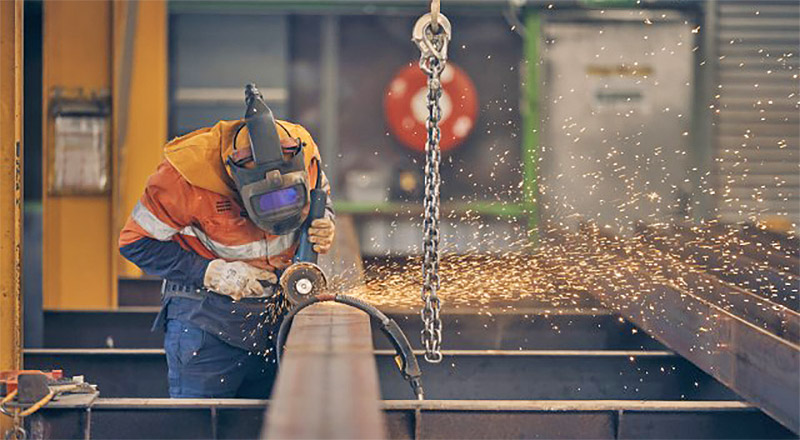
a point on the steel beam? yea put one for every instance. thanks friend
(772, 248)
(556, 374)
(578, 419)
(520, 329)
(11, 22)
(327, 386)
(760, 366)
(497, 329)
(10, 184)
(76, 261)
(725, 260)
(464, 374)
(408, 7)
(121, 328)
(117, 372)
(239, 418)
(775, 318)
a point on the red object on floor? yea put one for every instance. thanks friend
(10, 377)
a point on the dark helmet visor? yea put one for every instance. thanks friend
(280, 199)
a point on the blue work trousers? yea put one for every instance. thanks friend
(203, 366)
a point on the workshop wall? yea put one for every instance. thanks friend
(332, 72)
(617, 109)
(212, 57)
(371, 169)
(756, 113)
(487, 165)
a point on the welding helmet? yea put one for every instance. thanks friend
(271, 179)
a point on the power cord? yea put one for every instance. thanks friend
(406, 360)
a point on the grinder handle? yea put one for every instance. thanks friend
(305, 252)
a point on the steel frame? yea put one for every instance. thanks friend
(744, 267)
(91, 418)
(752, 360)
(11, 157)
(509, 329)
(480, 374)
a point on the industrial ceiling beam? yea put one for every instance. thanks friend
(411, 7)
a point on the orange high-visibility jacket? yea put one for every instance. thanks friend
(191, 200)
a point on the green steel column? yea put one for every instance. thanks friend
(531, 123)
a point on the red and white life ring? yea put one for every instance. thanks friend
(405, 108)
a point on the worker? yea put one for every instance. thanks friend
(218, 221)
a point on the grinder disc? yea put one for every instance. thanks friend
(301, 281)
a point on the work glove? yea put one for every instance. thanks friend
(321, 233)
(236, 279)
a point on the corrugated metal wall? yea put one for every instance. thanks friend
(757, 140)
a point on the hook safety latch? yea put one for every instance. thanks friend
(430, 43)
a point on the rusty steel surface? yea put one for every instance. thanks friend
(327, 385)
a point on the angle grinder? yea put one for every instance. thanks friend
(304, 278)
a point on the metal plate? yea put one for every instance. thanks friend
(615, 105)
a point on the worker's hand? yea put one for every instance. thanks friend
(321, 233)
(237, 279)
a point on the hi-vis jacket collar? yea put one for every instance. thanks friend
(200, 155)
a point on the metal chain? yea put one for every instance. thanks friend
(433, 58)
(436, 6)
(16, 432)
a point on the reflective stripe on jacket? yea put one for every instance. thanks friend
(209, 223)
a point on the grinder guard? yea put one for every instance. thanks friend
(301, 281)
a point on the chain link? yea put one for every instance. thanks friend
(16, 432)
(433, 48)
